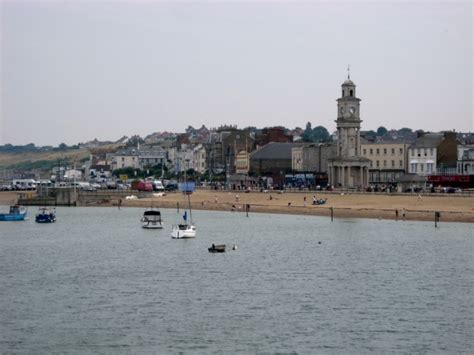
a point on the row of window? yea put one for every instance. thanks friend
(422, 151)
(377, 164)
(420, 167)
(385, 150)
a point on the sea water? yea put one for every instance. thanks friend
(95, 281)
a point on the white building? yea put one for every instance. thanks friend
(465, 163)
(126, 158)
(423, 153)
(199, 159)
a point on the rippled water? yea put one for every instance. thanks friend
(96, 282)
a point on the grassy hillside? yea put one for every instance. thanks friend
(39, 160)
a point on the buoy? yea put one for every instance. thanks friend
(319, 242)
(234, 247)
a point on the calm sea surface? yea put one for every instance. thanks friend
(97, 282)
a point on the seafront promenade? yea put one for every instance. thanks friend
(453, 208)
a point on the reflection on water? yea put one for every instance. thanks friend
(97, 282)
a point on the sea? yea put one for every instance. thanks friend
(96, 282)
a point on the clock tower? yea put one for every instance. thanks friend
(348, 121)
(348, 168)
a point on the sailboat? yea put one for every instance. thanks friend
(186, 229)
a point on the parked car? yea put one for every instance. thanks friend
(172, 186)
(158, 185)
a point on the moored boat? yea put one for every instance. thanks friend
(152, 219)
(17, 213)
(187, 229)
(45, 215)
(183, 231)
(217, 248)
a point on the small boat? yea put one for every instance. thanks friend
(152, 219)
(46, 215)
(17, 213)
(183, 231)
(217, 248)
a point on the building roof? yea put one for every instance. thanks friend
(386, 140)
(274, 150)
(348, 82)
(428, 140)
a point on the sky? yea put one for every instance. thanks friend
(72, 71)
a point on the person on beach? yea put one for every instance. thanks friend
(304, 201)
(119, 204)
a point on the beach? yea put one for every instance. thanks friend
(453, 208)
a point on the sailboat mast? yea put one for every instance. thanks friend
(190, 213)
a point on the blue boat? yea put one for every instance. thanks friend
(46, 215)
(17, 213)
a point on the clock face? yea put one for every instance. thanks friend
(352, 110)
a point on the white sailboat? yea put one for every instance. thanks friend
(185, 230)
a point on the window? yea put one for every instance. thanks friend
(393, 151)
(378, 151)
(426, 151)
(421, 167)
(418, 152)
(123, 158)
(401, 163)
(384, 163)
(385, 151)
(371, 163)
(412, 152)
(342, 92)
(351, 93)
(371, 151)
(393, 163)
(431, 151)
(377, 163)
(401, 151)
(365, 151)
(413, 167)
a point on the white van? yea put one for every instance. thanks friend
(158, 185)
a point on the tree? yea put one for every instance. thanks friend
(62, 146)
(405, 130)
(134, 141)
(381, 131)
(308, 133)
(320, 134)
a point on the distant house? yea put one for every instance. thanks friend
(272, 134)
(150, 156)
(433, 153)
(388, 159)
(223, 147)
(126, 158)
(312, 157)
(465, 162)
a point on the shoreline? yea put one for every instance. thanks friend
(452, 208)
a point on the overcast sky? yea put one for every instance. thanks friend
(73, 71)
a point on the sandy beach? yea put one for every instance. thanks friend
(452, 208)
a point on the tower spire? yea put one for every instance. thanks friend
(348, 72)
